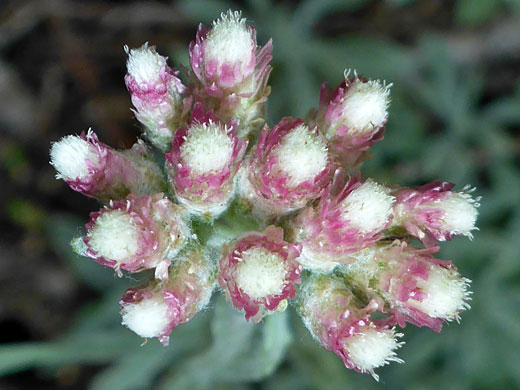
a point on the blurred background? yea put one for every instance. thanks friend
(455, 116)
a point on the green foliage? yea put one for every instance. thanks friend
(239, 352)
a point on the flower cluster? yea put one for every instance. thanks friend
(268, 215)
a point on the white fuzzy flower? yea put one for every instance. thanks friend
(368, 207)
(302, 154)
(261, 273)
(114, 236)
(230, 40)
(147, 318)
(365, 105)
(207, 148)
(373, 348)
(70, 157)
(460, 213)
(145, 64)
(446, 293)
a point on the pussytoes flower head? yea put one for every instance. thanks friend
(136, 234)
(98, 171)
(156, 308)
(339, 322)
(435, 212)
(202, 164)
(420, 289)
(258, 272)
(288, 168)
(158, 95)
(352, 116)
(226, 199)
(347, 219)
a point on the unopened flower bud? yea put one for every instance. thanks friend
(420, 289)
(340, 323)
(203, 162)
(342, 223)
(352, 116)
(98, 171)
(155, 309)
(137, 234)
(225, 53)
(288, 168)
(435, 212)
(258, 272)
(232, 71)
(157, 93)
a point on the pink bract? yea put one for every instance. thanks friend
(324, 231)
(213, 189)
(271, 240)
(186, 291)
(269, 184)
(398, 282)
(227, 90)
(116, 174)
(161, 104)
(332, 314)
(222, 76)
(346, 145)
(417, 210)
(162, 232)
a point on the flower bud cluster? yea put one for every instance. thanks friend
(270, 214)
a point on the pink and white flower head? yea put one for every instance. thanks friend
(158, 95)
(347, 219)
(156, 308)
(258, 272)
(420, 289)
(340, 323)
(288, 168)
(99, 171)
(232, 70)
(203, 162)
(136, 234)
(224, 55)
(352, 116)
(435, 212)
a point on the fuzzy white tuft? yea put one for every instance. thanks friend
(145, 64)
(302, 154)
(70, 156)
(460, 213)
(207, 148)
(365, 105)
(230, 40)
(147, 318)
(447, 293)
(114, 236)
(260, 273)
(372, 348)
(368, 207)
